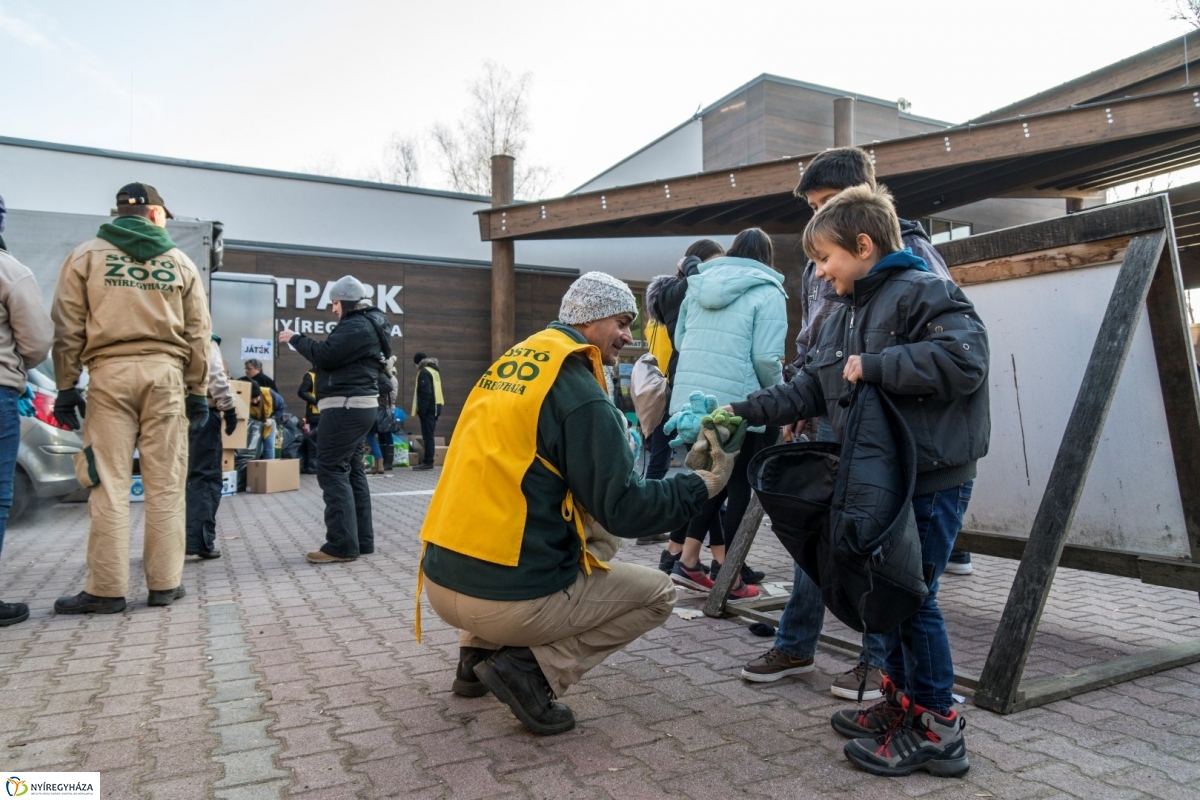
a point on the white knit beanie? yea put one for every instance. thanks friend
(596, 295)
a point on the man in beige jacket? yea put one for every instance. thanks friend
(130, 308)
(25, 335)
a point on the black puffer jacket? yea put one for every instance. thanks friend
(848, 519)
(351, 358)
(664, 296)
(924, 345)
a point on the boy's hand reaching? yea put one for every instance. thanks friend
(853, 371)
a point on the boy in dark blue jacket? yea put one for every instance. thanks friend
(917, 337)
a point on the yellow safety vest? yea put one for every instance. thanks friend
(494, 445)
(437, 388)
(659, 343)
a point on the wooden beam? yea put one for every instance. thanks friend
(954, 147)
(1027, 597)
(504, 264)
(1040, 262)
(1040, 691)
(1128, 72)
(1095, 225)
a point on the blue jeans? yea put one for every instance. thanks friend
(918, 652)
(660, 453)
(266, 449)
(804, 615)
(10, 439)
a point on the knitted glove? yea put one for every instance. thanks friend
(717, 475)
(730, 432)
(196, 407)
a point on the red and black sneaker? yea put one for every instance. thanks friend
(857, 723)
(917, 739)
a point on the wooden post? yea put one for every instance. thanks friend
(504, 279)
(843, 122)
(1001, 676)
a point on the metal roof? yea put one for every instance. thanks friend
(1071, 152)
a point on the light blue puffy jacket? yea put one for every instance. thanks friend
(731, 331)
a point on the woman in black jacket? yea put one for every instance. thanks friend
(349, 363)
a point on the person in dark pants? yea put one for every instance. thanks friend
(349, 363)
(427, 404)
(312, 415)
(204, 461)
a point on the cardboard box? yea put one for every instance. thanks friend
(439, 441)
(228, 483)
(275, 475)
(137, 492)
(241, 398)
(439, 455)
(236, 440)
(228, 460)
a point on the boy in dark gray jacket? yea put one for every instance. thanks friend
(917, 337)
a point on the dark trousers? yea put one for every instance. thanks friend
(428, 423)
(308, 448)
(660, 453)
(340, 474)
(736, 492)
(10, 441)
(204, 484)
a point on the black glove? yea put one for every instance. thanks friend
(197, 412)
(65, 406)
(231, 420)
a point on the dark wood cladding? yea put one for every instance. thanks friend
(447, 315)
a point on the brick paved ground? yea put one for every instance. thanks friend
(274, 677)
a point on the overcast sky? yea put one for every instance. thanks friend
(298, 84)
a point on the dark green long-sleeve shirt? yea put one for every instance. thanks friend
(582, 434)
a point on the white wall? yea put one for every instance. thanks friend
(253, 207)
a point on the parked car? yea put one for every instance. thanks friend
(45, 467)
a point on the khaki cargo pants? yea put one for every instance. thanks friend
(569, 631)
(135, 402)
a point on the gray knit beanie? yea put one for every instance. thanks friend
(348, 289)
(596, 295)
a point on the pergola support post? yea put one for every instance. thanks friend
(504, 276)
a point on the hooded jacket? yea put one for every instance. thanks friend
(351, 358)
(816, 306)
(922, 342)
(731, 331)
(130, 299)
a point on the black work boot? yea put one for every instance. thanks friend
(515, 678)
(84, 603)
(466, 682)
(164, 597)
(389, 457)
(12, 613)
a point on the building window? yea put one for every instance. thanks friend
(945, 230)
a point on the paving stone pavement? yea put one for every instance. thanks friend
(274, 678)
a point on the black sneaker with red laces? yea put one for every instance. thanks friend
(856, 723)
(917, 739)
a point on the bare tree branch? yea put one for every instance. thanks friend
(1187, 11)
(400, 163)
(496, 123)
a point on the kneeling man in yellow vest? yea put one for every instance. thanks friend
(540, 457)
